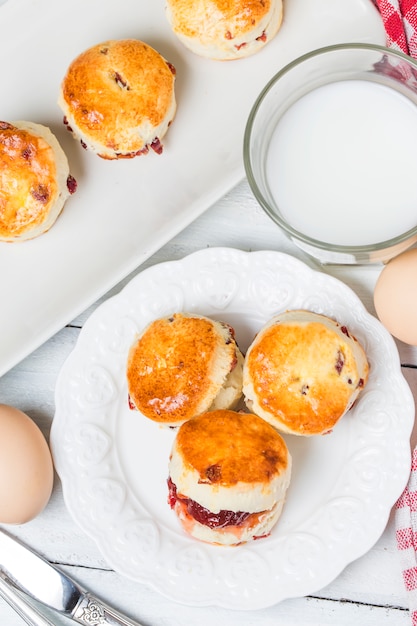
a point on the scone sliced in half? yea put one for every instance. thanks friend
(303, 372)
(228, 477)
(183, 365)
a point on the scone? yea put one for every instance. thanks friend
(183, 365)
(118, 98)
(303, 372)
(224, 29)
(34, 180)
(228, 477)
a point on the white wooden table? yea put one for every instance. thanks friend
(369, 592)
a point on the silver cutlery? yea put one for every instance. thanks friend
(30, 614)
(47, 584)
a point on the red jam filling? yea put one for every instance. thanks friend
(202, 515)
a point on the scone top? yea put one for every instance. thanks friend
(181, 365)
(118, 98)
(34, 180)
(224, 29)
(228, 447)
(303, 372)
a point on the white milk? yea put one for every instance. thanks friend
(342, 163)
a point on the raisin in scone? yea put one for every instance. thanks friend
(183, 365)
(228, 477)
(303, 372)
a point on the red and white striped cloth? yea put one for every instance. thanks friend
(400, 22)
(406, 534)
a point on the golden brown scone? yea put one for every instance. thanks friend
(224, 29)
(34, 180)
(228, 477)
(303, 372)
(118, 98)
(183, 365)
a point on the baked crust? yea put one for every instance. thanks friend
(226, 448)
(180, 365)
(225, 29)
(303, 372)
(33, 180)
(118, 97)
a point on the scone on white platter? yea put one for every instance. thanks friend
(182, 365)
(35, 180)
(228, 477)
(118, 98)
(303, 372)
(225, 30)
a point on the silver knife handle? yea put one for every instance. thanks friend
(94, 612)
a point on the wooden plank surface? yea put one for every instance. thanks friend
(368, 592)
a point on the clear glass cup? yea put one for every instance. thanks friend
(365, 62)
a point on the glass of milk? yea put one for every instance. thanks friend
(330, 152)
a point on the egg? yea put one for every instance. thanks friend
(26, 467)
(395, 297)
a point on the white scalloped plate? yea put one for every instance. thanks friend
(124, 211)
(113, 461)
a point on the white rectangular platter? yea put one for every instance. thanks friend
(124, 211)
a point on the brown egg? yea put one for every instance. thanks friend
(26, 467)
(395, 297)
